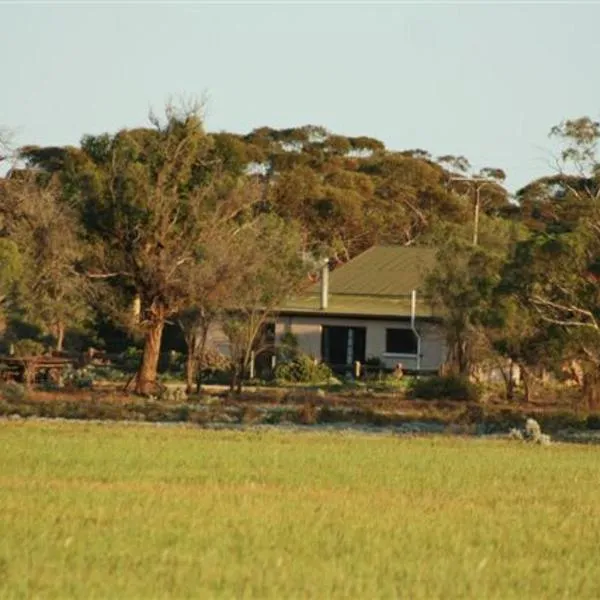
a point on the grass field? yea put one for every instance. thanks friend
(128, 511)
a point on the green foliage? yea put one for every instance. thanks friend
(303, 369)
(463, 285)
(11, 265)
(183, 220)
(129, 360)
(287, 347)
(28, 347)
(450, 387)
(106, 373)
(13, 392)
(389, 382)
(79, 378)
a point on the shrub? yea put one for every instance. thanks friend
(532, 433)
(79, 378)
(28, 347)
(130, 360)
(250, 415)
(593, 421)
(13, 392)
(307, 415)
(303, 369)
(287, 348)
(106, 373)
(390, 382)
(169, 395)
(451, 387)
(215, 367)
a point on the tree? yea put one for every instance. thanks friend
(272, 268)
(52, 292)
(210, 288)
(463, 284)
(555, 273)
(487, 188)
(150, 201)
(11, 269)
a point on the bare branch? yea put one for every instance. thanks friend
(539, 302)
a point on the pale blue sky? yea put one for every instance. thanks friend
(485, 80)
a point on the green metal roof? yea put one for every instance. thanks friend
(368, 306)
(378, 282)
(383, 271)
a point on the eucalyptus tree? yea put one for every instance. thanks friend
(556, 272)
(150, 201)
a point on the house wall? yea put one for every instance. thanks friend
(308, 332)
(217, 340)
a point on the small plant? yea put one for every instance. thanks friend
(303, 369)
(27, 348)
(445, 387)
(13, 392)
(516, 434)
(106, 373)
(79, 378)
(170, 395)
(389, 382)
(307, 415)
(130, 360)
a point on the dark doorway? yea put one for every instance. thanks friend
(341, 346)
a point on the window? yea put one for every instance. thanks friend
(400, 341)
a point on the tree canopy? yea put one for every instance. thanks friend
(171, 223)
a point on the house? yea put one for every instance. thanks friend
(373, 307)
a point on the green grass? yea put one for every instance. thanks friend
(127, 511)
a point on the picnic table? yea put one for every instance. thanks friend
(26, 368)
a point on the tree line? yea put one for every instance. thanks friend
(172, 224)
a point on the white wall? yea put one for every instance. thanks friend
(308, 332)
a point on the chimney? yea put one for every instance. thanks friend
(325, 285)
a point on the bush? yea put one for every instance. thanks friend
(288, 348)
(390, 383)
(130, 360)
(303, 369)
(27, 347)
(13, 392)
(79, 378)
(215, 367)
(105, 373)
(307, 415)
(450, 387)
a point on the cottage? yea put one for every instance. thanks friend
(373, 307)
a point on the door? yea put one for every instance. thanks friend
(342, 346)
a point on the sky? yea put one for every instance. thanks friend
(483, 80)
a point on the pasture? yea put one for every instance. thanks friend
(93, 510)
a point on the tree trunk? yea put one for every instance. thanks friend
(509, 380)
(146, 377)
(527, 381)
(240, 378)
(234, 378)
(190, 371)
(591, 390)
(201, 359)
(237, 376)
(60, 336)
